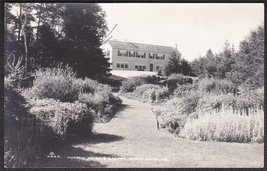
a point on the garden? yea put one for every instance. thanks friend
(55, 110)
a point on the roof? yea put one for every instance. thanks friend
(141, 47)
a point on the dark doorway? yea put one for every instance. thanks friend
(151, 67)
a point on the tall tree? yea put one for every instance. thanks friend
(173, 64)
(249, 66)
(84, 27)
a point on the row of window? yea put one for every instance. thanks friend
(141, 55)
(140, 67)
(122, 65)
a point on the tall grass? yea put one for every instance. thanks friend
(226, 125)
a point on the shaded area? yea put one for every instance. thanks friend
(122, 108)
(84, 156)
(100, 138)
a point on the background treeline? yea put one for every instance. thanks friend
(48, 33)
(243, 67)
(246, 66)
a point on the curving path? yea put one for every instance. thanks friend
(131, 139)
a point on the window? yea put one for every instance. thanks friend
(150, 56)
(157, 57)
(126, 65)
(157, 67)
(136, 66)
(119, 53)
(118, 65)
(144, 67)
(122, 65)
(163, 57)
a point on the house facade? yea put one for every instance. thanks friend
(137, 56)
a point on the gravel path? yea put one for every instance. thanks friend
(131, 139)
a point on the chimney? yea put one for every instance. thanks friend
(176, 46)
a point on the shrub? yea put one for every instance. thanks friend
(174, 112)
(150, 93)
(25, 137)
(182, 90)
(57, 83)
(66, 119)
(138, 92)
(226, 125)
(207, 85)
(175, 80)
(103, 104)
(131, 83)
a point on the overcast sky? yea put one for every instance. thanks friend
(195, 28)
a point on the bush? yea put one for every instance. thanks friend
(61, 84)
(103, 106)
(175, 80)
(26, 139)
(66, 119)
(226, 125)
(149, 93)
(175, 112)
(131, 83)
(182, 90)
(57, 83)
(207, 85)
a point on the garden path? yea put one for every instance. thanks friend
(131, 139)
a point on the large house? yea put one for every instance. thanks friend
(137, 56)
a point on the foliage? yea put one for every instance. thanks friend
(151, 93)
(63, 32)
(184, 89)
(207, 85)
(226, 125)
(249, 66)
(244, 67)
(175, 80)
(66, 119)
(26, 139)
(61, 84)
(103, 104)
(57, 83)
(208, 95)
(175, 111)
(131, 83)
(173, 64)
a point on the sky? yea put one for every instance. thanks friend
(194, 27)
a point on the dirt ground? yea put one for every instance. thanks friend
(131, 140)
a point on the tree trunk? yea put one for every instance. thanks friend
(23, 24)
(20, 10)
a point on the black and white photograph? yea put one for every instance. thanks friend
(133, 85)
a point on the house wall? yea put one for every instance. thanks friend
(130, 63)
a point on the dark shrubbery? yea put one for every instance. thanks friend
(175, 80)
(26, 137)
